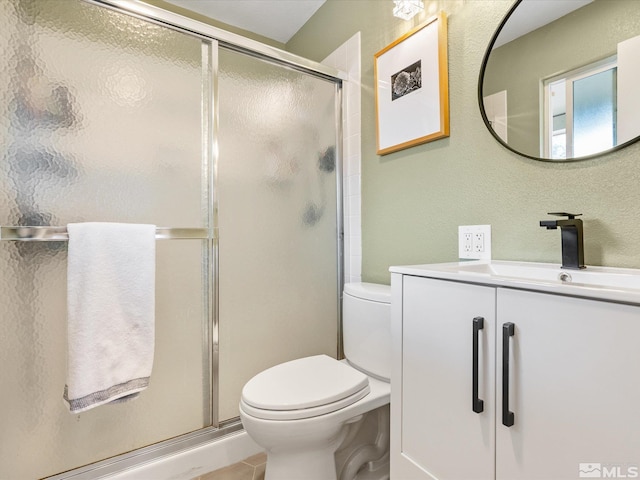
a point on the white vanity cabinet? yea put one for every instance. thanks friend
(574, 387)
(573, 371)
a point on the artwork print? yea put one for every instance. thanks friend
(412, 88)
(406, 80)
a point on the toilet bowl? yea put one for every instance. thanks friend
(301, 412)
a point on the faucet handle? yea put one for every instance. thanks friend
(571, 216)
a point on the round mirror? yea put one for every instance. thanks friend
(560, 80)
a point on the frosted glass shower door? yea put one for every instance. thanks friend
(276, 189)
(100, 120)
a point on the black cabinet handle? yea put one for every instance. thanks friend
(508, 330)
(477, 404)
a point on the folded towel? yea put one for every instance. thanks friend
(111, 309)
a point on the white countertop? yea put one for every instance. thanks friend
(602, 283)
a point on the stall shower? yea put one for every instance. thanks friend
(110, 115)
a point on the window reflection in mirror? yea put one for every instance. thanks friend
(586, 50)
(580, 111)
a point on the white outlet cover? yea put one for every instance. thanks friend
(464, 252)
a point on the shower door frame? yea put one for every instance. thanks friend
(215, 39)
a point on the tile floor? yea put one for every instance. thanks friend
(251, 468)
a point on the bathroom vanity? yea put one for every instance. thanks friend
(515, 370)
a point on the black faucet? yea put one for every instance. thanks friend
(572, 243)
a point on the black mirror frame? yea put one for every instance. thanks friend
(483, 113)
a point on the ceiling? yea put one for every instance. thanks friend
(531, 15)
(278, 20)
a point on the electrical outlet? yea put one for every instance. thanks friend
(474, 242)
(467, 242)
(478, 242)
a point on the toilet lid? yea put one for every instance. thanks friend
(316, 383)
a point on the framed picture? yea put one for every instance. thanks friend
(412, 88)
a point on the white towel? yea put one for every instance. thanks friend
(111, 309)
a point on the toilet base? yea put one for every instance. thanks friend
(364, 454)
(316, 465)
(304, 450)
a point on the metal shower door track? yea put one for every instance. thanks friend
(232, 40)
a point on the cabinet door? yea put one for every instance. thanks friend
(574, 388)
(441, 436)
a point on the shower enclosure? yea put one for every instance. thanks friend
(116, 112)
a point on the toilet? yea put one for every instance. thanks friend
(304, 411)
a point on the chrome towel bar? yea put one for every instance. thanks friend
(59, 234)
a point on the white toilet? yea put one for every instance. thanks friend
(304, 410)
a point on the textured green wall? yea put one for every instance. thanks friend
(414, 200)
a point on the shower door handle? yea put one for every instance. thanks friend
(477, 404)
(508, 330)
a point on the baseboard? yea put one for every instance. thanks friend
(194, 462)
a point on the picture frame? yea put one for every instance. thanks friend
(412, 88)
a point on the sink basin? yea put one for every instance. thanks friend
(618, 284)
(549, 272)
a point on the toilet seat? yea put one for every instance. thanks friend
(303, 388)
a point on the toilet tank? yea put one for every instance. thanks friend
(366, 327)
